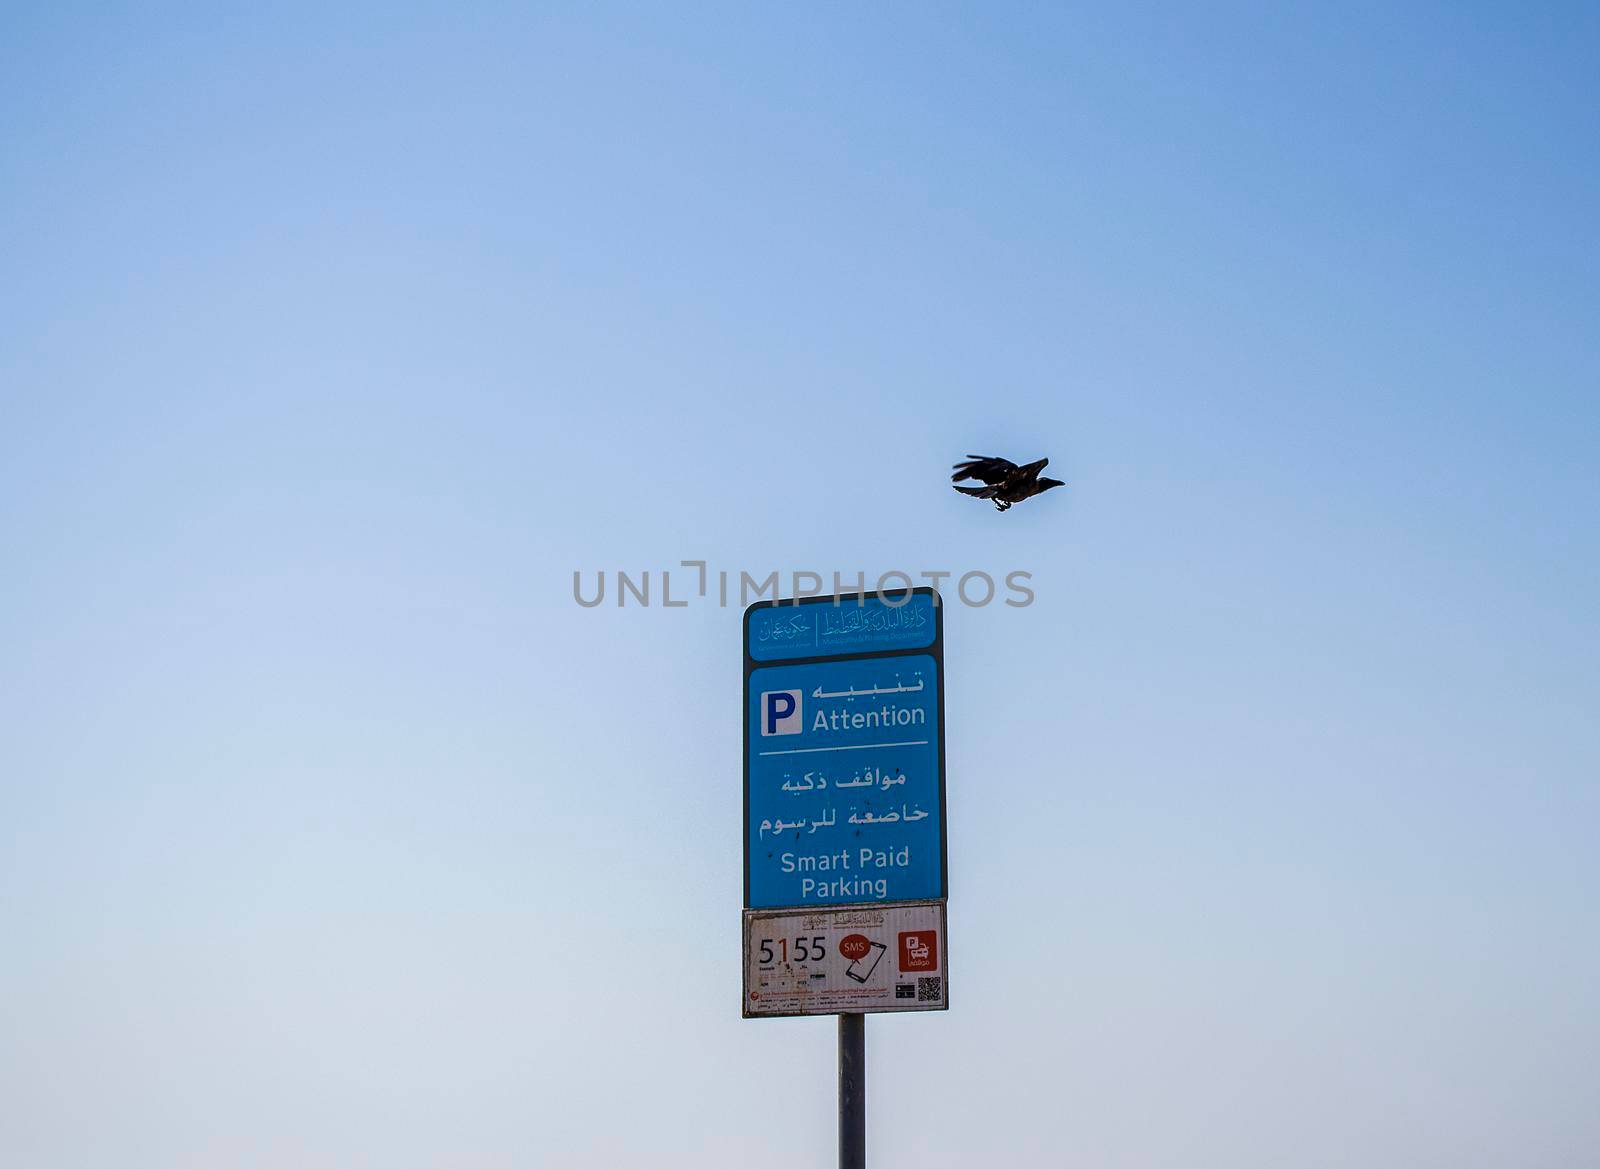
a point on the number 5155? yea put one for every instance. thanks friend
(804, 950)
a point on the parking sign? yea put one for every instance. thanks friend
(844, 810)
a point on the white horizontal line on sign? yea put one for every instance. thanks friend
(853, 747)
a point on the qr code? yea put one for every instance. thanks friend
(929, 990)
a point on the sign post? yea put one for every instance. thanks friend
(844, 818)
(852, 1092)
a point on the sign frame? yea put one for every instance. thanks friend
(892, 598)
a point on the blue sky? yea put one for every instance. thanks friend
(333, 342)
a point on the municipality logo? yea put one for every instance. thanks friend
(780, 713)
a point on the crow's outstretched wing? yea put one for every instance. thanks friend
(984, 467)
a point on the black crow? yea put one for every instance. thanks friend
(1004, 481)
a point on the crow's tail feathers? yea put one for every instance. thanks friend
(975, 492)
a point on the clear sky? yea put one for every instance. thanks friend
(332, 342)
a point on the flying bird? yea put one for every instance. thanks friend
(1003, 481)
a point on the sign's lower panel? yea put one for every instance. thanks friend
(846, 959)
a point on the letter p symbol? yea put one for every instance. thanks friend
(780, 712)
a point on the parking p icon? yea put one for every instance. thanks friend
(780, 712)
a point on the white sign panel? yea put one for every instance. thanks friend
(846, 959)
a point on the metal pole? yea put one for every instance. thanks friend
(852, 1092)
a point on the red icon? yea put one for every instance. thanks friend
(919, 950)
(854, 946)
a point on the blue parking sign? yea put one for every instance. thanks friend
(844, 750)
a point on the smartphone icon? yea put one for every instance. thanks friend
(861, 969)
